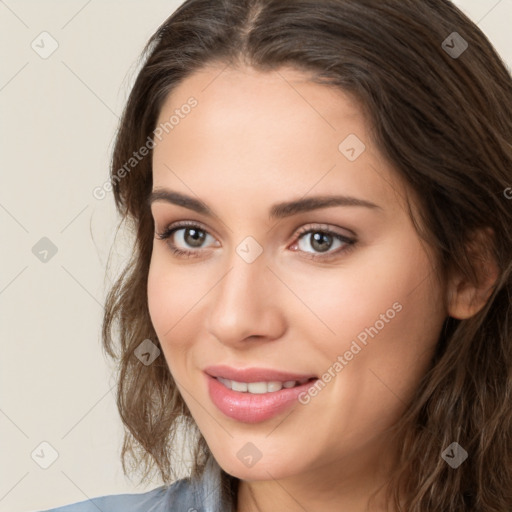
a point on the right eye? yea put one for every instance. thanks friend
(184, 234)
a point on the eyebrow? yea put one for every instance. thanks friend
(277, 211)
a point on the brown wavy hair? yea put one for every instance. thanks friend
(445, 124)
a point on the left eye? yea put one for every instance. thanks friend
(321, 240)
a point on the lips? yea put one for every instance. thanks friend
(260, 387)
(259, 394)
(256, 374)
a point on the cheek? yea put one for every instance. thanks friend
(158, 299)
(387, 308)
(166, 306)
(387, 314)
(175, 296)
(392, 275)
(394, 313)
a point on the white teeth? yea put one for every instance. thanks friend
(259, 388)
(226, 382)
(238, 386)
(274, 386)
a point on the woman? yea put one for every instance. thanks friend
(320, 290)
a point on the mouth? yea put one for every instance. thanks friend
(262, 387)
(253, 395)
(257, 376)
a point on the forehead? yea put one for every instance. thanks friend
(264, 102)
(267, 131)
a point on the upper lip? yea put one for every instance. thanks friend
(254, 374)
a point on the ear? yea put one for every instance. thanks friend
(465, 298)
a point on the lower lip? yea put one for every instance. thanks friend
(253, 408)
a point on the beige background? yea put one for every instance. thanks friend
(58, 119)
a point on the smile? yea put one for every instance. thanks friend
(259, 388)
(258, 400)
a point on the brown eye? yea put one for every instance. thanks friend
(183, 238)
(322, 241)
(193, 237)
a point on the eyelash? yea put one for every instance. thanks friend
(169, 231)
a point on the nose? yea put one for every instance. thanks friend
(245, 304)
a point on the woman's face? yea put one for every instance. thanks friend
(345, 293)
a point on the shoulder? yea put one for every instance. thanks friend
(201, 493)
(161, 499)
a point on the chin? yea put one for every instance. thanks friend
(263, 469)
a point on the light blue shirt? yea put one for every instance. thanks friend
(185, 495)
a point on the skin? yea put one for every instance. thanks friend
(253, 140)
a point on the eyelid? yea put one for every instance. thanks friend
(348, 240)
(312, 226)
(174, 226)
(298, 232)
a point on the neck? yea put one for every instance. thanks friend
(277, 495)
